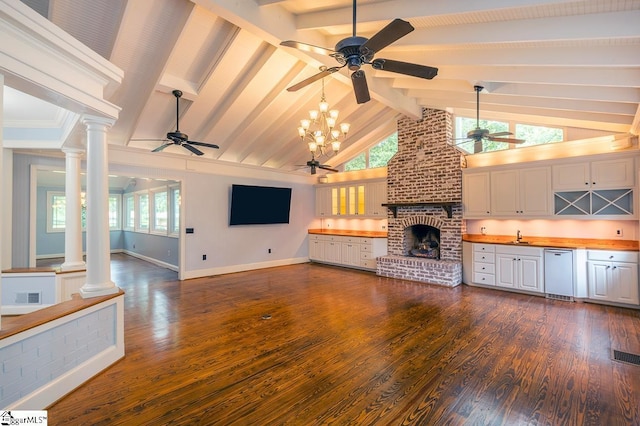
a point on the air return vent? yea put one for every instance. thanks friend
(627, 357)
(559, 297)
(29, 298)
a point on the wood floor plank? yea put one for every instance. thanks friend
(347, 347)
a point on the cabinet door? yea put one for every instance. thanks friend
(323, 202)
(599, 280)
(530, 273)
(355, 200)
(506, 271)
(316, 250)
(376, 195)
(535, 191)
(332, 251)
(624, 277)
(476, 199)
(613, 173)
(504, 193)
(350, 253)
(571, 176)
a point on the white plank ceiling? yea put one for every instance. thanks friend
(555, 62)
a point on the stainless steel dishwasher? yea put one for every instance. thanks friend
(558, 274)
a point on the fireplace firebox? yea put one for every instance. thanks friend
(422, 241)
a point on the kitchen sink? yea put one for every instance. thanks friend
(519, 242)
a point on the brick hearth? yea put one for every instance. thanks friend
(426, 169)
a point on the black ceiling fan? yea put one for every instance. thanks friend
(354, 51)
(179, 138)
(478, 135)
(314, 164)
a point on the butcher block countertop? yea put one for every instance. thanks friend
(571, 243)
(349, 233)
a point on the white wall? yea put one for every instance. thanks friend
(206, 186)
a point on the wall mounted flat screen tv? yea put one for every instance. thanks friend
(259, 205)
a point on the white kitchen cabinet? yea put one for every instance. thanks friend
(323, 201)
(316, 247)
(376, 196)
(525, 192)
(360, 199)
(350, 251)
(355, 252)
(520, 268)
(613, 276)
(600, 174)
(484, 264)
(476, 195)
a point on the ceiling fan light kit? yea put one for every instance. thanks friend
(182, 139)
(352, 52)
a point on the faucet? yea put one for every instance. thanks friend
(518, 236)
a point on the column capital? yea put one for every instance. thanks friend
(71, 150)
(89, 120)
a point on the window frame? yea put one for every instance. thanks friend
(52, 193)
(511, 126)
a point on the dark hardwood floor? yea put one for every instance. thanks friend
(350, 348)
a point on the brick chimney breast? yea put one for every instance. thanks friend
(425, 169)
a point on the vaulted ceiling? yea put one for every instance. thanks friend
(551, 62)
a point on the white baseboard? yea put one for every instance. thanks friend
(151, 260)
(243, 267)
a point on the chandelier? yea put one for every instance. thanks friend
(319, 130)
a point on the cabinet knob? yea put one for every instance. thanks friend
(610, 257)
(614, 267)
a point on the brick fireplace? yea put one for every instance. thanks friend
(424, 192)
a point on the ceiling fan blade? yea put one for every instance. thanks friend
(395, 30)
(508, 140)
(406, 68)
(313, 78)
(307, 47)
(161, 147)
(209, 145)
(360, 87)
(196, 151)
(500, 134)
(327, 167)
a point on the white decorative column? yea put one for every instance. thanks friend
(98, 247)
(73, 212)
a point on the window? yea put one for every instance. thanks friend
(174, 208)
(129, 212)
(160, 211)
(142, 210)
(533, 135)
(538, 135)
(114, 211)
(57, 206)
(155, 211)
(377, 156)
(464, 125)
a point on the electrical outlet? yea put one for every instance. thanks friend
(204, 257)
(619, 232)
(269, 250)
